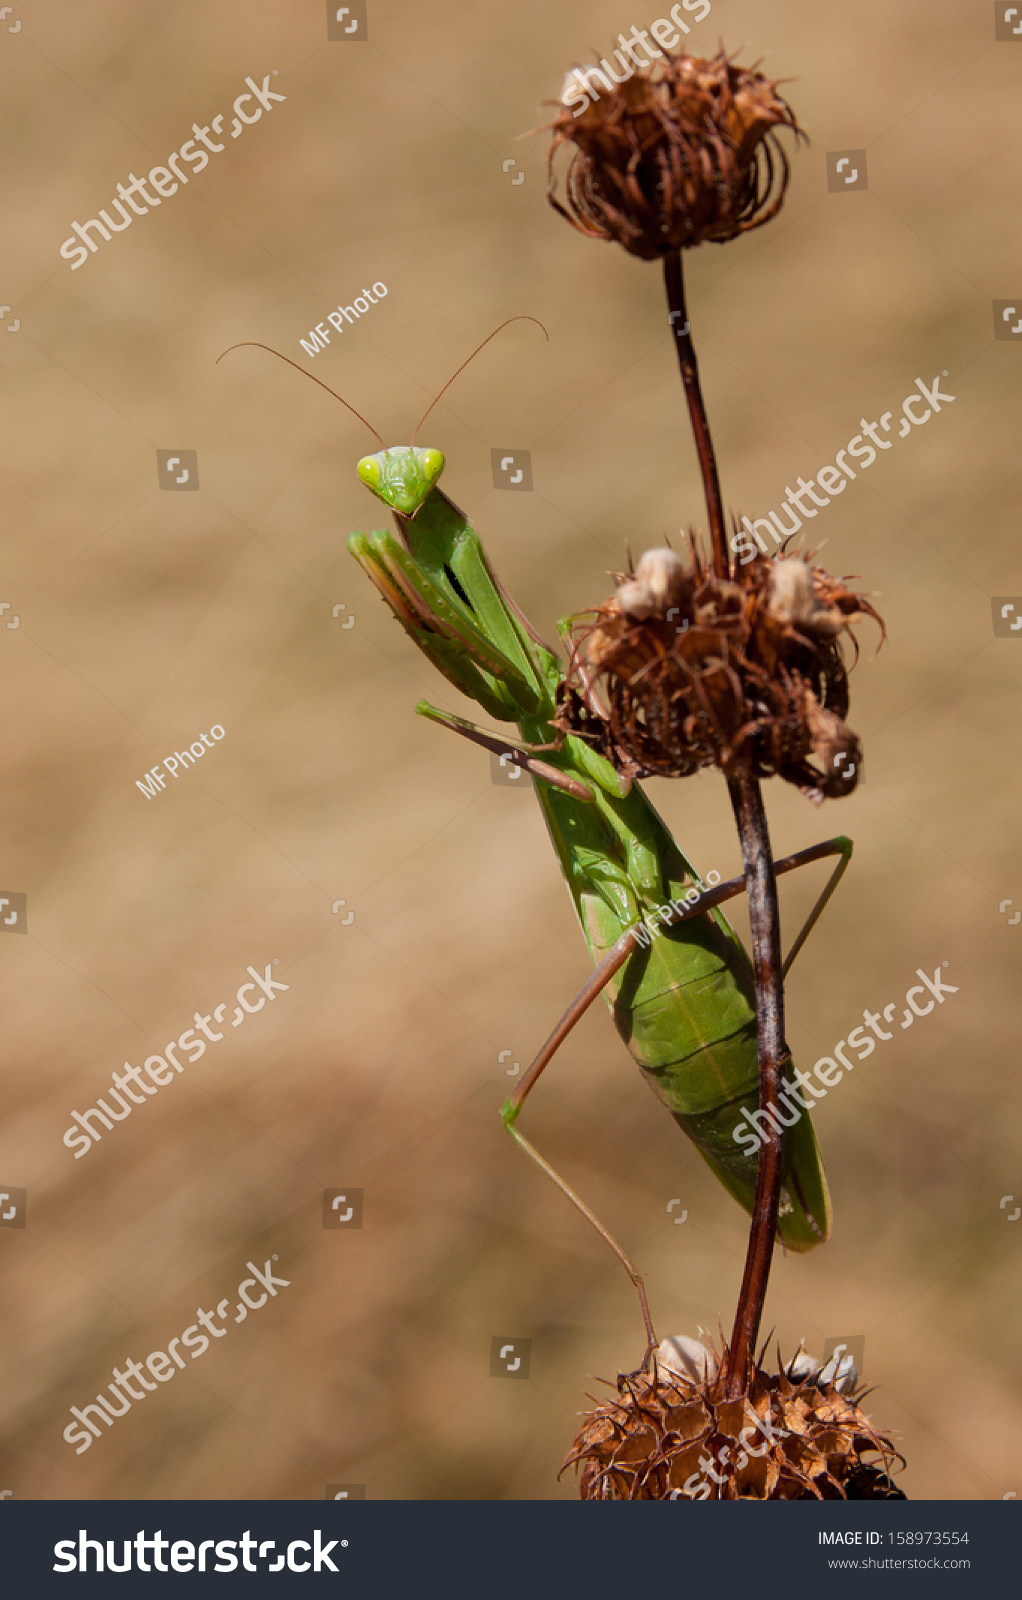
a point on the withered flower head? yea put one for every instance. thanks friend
(671, 157)
(795, 1434)
(682, 669)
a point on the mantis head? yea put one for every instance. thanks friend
(402, 476)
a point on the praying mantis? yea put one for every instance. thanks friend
(675, 974)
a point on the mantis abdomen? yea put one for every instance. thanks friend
(684, 1005)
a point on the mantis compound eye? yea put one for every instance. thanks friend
(370, 472)
(432, 464)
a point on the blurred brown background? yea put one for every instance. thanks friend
(148, 616)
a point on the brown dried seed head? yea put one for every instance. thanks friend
(810, 600)
(679, 154)
(658, 582)
(792, 1435)
(681, 670)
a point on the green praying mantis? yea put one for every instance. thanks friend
(675, 974)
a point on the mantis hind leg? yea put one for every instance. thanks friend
(839, 846)
(594, 986)
(509, 1114)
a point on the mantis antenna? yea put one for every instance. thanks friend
(257, 346)
(522, 317)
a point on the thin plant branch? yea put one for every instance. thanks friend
(674, 282)
(761, 889)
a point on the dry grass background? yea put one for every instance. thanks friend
(146, 617)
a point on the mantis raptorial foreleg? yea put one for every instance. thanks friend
(597, 982)
(523, 755)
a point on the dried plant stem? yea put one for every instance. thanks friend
(674, 282)
(747, 800)
(761, 887)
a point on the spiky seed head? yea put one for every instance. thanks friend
(792, 1434)
(745, 673)
(682, 153)
(655, 586)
